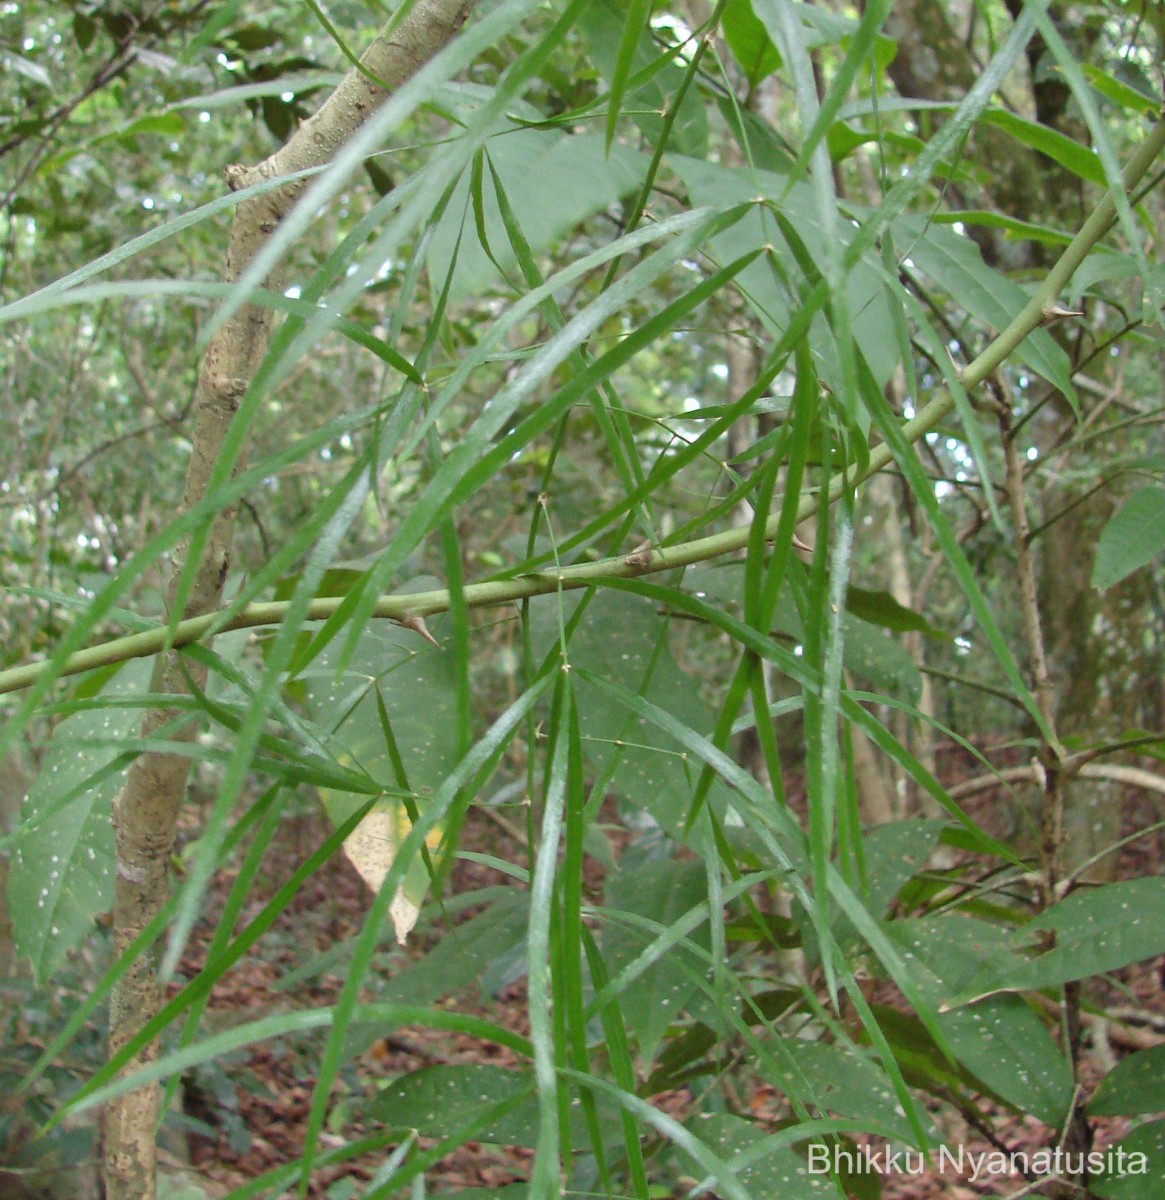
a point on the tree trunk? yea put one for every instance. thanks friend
(145, 812)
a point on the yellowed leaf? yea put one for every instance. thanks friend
(371, 848)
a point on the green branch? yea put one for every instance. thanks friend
(1039, 311)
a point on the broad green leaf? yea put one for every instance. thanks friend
(440, 1100)
(870, 652)
(416, 683)
(479, 455)
(1058, 51)
(1004, 1043)
(824, 27)
(894, 854)
(949, 954)
(470, 772)
(619, 640)
(775, 826)
(758, 140)
(62, 867)
(199, 988)
(587, 180)
(1131, 538)
(464, 956)
(1135, 1166)
(923, 1064)
(880, 659)
(1101, 267)
(880, 608)
(866, 48)
(401, 667)
(719, 187)
(1097, 930)
(750, 44)
(844, 1081)
(998, 1039)
(1134, 1087)
(779, 1172)
(419, 202)
(661, 891)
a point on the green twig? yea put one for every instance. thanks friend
(478, 595)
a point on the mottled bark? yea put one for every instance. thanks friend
(146, 810)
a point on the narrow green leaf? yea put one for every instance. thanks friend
(476, 764)
(1080, 160)
(541, 1005)
(281, 1024)
(634, 24)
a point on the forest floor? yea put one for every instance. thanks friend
(253, 1121)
